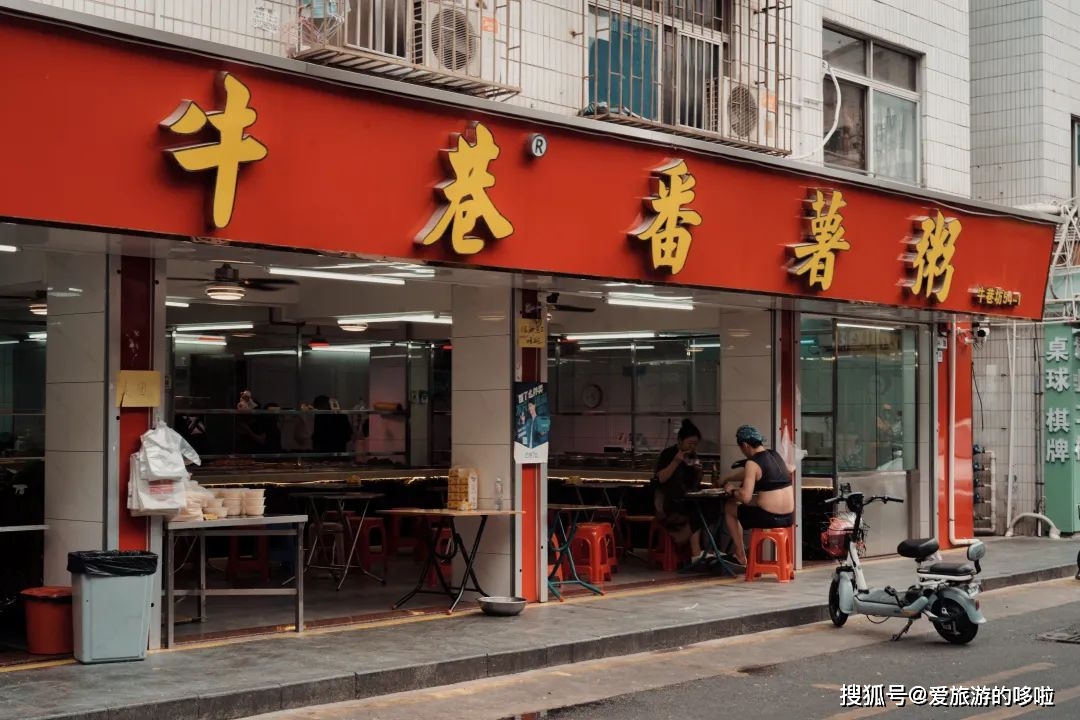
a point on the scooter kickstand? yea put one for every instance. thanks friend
(900, 634)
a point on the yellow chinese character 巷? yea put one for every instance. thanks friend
(231, 148)
(667, 229)
(467, 201)
(818, 256)
(932, 261)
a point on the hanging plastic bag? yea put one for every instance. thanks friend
(154, 497)
(163, 454)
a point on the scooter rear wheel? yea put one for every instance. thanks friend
(838, 616)
(957, 628)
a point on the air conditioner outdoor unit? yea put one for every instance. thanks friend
(743, 112)
(453, 36)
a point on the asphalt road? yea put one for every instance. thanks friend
(789, 673)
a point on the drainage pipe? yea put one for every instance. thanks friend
(1053, 532)
(953, 348)
(1011, 336)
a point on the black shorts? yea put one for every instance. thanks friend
(751, 516)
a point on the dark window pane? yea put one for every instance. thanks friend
(843, 51)
(894, 67)
(847, 146)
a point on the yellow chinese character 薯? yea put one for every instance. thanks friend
(231, 148)
(467, 201)
(818, 256)
(932, 261)
(667, 229)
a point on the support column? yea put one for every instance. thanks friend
(483, 347)
(76, 419)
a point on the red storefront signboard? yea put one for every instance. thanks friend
(101, 133)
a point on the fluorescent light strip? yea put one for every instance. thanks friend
(416, 317)
(884, 328)
(251, 353)
(586, 348)
(632, 335)
(650, 301)
(9, 342)
(8, 248)
(355, 348)
(707, 344)
(214, 326)
(37, 336)
(327, 275)
(177, 303)
(199, 340)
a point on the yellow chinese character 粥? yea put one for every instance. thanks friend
(818, 256)
(231, 148)
(932, 260)
(467, 201)
(667, 229)
(1009, 297)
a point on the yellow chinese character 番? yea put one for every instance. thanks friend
(667, 230)
(467, 201)
(818, 256)
(231, 148)
(932, 260)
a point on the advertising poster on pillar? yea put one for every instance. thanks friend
(532, 423)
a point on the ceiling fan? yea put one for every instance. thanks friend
(228, 285)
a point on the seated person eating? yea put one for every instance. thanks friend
(766, 496)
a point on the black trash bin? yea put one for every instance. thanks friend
(111, 600)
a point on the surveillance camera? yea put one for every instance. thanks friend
(982, 332)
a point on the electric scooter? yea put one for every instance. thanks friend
(943, 592)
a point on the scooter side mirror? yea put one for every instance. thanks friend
(976, 551)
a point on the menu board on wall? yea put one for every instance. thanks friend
(532, 423)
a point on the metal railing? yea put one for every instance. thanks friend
(720, 69)
(454, 44)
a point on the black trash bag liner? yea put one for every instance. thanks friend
(112, 563)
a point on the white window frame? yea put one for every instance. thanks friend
(1074, 156)
(872, 88)
(662, 22)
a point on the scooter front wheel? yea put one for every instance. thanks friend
(954, 625)
(838, 616)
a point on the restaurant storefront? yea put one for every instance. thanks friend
(638, 278)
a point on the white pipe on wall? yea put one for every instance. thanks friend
(1011, 337)
(953, 540)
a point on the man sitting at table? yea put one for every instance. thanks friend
(766, 496)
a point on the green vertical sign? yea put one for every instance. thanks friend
(1061, 400)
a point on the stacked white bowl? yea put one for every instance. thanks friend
(254, 501)
(232, 499)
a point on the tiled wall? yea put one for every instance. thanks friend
(991, 418)
(938, 29)
(1025, 91)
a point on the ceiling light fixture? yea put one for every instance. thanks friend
(214, 326)
(225, 291)
(633, 335)
(854, 326)
(39, 308)
(327, 275)
(432, 318)
(251, 353)
(354, 348)
(318, 342)
(635, 346)
(655, 302)
(216, 340)
(9, 342)
(40, 336)
(353, 327)
(8, 248)
(176, 303)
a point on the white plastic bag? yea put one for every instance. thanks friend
(163, 453)
(154, 497)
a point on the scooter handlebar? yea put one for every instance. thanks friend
(890, 498)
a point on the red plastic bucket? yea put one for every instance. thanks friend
(48, 620)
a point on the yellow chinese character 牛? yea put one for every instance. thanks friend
(818, 256)
(980, 295)
(932, 261)
(231, 148)
(667, 230)
(467, 201)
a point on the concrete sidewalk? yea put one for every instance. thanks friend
(290, 671)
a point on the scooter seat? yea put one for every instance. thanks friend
(957, 569)
(917, 548)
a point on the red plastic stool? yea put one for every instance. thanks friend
(784, 565)
(367, 550)
(607, 531)
(443, 544)
(662, 550)
(258, 562)
(594, 540)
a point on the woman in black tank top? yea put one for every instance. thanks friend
(766, 497)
